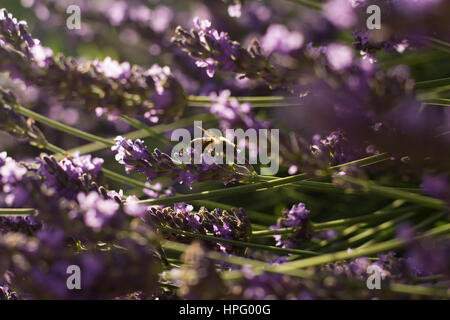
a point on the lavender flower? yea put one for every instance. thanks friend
(271, 287)
(233, 225)
(340, 13)
(279, 38)
(26, 225)
(233, 114)
(339, 56)
(102, 270)
(335, 149)
(13, 31)
(62, 194)
(296, 218)
(427, 256)
(234, 11)
(402, 26)
(149, 22)
(90, 219)
(112, 69)
(96, 211)
(368, 46)
(117, 88)
(16, 124)
(157, 190)
(214, 51)
(14, 194)
(134, 208)
(437, 186)
(135, 157)
(225, 49)
(70, 175)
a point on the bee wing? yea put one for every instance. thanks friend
(205, 132)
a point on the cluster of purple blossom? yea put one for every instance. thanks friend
(70, 175)
(437, 186)
(214, 51)
(400, 25)
(46, 241)
(135, 17)
(338, 280)
(233, 114)
(220, 223)
(135, 157)
(104, 86)
(297, 219)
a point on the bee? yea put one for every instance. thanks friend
(210, 143)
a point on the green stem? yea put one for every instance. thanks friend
(419, 290)
(376, 216)
(234, 260)
(255, 105)
(257, 101)
(345, 255)
(371, 231)
(240, 99)
(139, 134)
(381, 214)
(151, 132)
(238, 243)
(437, 101)
(54, 149)
(432, 83)
(440, 47)
(126, 180)
(396, 194)
(62, 127)
(327, 187)
(308, 4)
(341, 237)
(418, 226)
(16, 212)
(255, 187)
(440, 42)
(259, 266)
(437, 104)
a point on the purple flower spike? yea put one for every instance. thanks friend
(96, 210)
(279, 38)
(70, 175)
(215, 51)
(233, 114)
(298, 219)
(135, 157)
